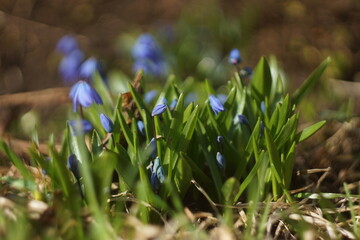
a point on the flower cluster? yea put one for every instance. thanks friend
(148, 56)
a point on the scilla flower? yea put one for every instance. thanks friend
(221, 161)
(87, 68)
(158, 109)
(216, 105)
(106, 122)
(67, 44)
(146, 47)
(141, 127)
(69, 66)
(148, 56)
(235, 57)
(80, 126)
(150, 95)
(157, 174)
(82, 93)
(73, 165)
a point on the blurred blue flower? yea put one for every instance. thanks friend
(67, 44)
(141, 127)
(246, 72)
(216, 105)
(221, 161)
(146, 47)
(82, 93)
(220, 139)
(150, 95)
(152, 149)
(69, 66)
(262, 107)
(191, 97)
(222, 98)
(173, 104)
(148, 56)
(235, 57)
(158, 109)
(261, 129)
(80, 127)
(243, 120)
(157, 174)
(73, 165)
(87, 68)
(106, 122)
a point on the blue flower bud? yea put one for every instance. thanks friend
(157, 174)
(235, 57)
(158, 109)
(173, 104)
(69, 66)
(222, 98)
(262, 107)
(141, 127)
(220, 139)
(261, 129)
(146, 47)
(151, 148)
(88, 68)
(80, 127)
(215, 104)
(106, 122)
(246, 72)
(150, 95)
(148, 56)
(221, 161)
(243, 120)
(67, 44)
(82, 93)
(73, 165)
(191, 97)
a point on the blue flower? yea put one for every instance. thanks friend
(150, 95)
(222, 98)
(80, 127)
(148, 56)
(146, 47)
(191, 97)
(158, 109)
(67, 44)
(220, 139)
(235, 57)
(173, 104)
(261, 129)
(87, 68)
(221, 161)
(216, 105)
(246, 72)
(82, 93)
(243, 120)
(262, 107)
(106, 122)
(141, 127)
(151, 148)
(73, 165)
(69, 66)
(157, 174)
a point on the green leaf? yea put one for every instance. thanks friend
(310, 82)
(261, 80)
(309, 131)
(19, 164)
(102, 169)
(182, 176)
(229, 190)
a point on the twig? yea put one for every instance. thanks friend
(42, 98)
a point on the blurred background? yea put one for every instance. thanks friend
(196, 37)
